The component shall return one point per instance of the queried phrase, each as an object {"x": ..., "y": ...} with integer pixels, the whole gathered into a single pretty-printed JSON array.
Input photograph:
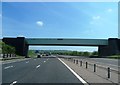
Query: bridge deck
[{"x": 66, "y": 42}]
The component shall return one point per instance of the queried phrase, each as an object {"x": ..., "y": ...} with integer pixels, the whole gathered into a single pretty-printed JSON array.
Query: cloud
[
  {"x": 39, "y": 23},
  {"x": 96, "y": 17},
  {"x": 95, "y": 20},
  {"x": 21, "y": 36},
  {"x": 109, "y": 10}
]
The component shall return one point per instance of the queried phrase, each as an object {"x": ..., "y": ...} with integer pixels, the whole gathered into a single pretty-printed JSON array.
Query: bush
[
  {"x": 95, "y": 53},
  {"x": 7, "y": 49}
]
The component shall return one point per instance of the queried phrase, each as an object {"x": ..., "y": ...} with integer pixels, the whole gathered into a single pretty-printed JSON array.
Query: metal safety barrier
[{"x": 80, "y": 63}]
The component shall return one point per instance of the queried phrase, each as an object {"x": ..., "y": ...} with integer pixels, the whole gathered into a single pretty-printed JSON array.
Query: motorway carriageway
[{"x": 39, "y": 70}]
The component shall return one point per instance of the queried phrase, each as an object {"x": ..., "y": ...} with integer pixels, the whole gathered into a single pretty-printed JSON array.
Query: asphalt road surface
[
  {"x": 107, "y": 61},
  {"x": 38, "y": 70}
]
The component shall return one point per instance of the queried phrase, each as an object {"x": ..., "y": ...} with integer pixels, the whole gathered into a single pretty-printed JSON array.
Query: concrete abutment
[
  {"x": 113, "y": 48},
  {"x": 19, "y": 43}
]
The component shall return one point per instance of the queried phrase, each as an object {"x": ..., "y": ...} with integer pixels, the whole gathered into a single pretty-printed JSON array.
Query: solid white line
[
  {"x": 8, "y": 67},
  {"x": 80, "y": 79},
  {"x": 38, "y": 66},
  {"x": 13, "y": 83}
]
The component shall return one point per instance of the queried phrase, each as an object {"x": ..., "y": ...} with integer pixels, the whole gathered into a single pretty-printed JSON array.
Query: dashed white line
[
  {"x": 38, "y": 66},
  {"x": 80, "y": 79},
  {"x": 8, "y": 67},
  {"x": 13, "y": 83},
  {"x": 27, "y": 62}
]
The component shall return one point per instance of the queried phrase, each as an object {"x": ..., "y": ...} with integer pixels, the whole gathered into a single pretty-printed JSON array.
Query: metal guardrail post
[
  {"x": 80, "y": 63},
  {"x": 76, "y": 61},
  {"x": 86, "y": 65},
  {"x": 10, "y": 55},
  {"x": 7, "y": 55},
  {"x": 108, "y": 72},
  {"x": 94, "y": 67}
]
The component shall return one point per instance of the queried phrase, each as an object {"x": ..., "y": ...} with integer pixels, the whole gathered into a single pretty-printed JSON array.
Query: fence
[
  {"x": 7, "y": 55},
  {"x": 108, "y": 72}
]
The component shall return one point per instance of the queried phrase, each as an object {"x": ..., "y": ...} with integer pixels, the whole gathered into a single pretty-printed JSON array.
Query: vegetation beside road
[
  {"x": 7, "y": 52},
  {"x": 63, "y": 52},
  {"x": 114, "y": 57},
  {"x": 7, "y": 49},
  {"x": 76, "y": 53},
  {"x": 31, "y": 53}
]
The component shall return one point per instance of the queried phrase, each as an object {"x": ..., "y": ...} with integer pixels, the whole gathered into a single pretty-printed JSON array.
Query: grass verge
[{"x": 114, "y": 57}]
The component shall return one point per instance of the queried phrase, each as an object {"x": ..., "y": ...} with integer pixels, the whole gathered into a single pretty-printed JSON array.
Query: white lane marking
[
  {"x": 13, "y": 83},
  {"x": 47, "y": 59},
  {"x": 34, "y": 59},
  {"x": 44, "y": 61},
  {"x": 8, "y": 67},
  {"x": 27, "y": 62},
  {"x": 38, "y": 66},
  {"x": 80, "y": 79}
]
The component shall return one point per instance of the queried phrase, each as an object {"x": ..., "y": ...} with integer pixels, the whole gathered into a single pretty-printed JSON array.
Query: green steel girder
[{"x": 66, "y": 42}]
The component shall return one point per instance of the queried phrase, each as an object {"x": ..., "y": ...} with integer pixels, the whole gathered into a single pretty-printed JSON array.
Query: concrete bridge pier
[
  {"x": 113, "y": 48},
  {"x": 19, "y": 43}
]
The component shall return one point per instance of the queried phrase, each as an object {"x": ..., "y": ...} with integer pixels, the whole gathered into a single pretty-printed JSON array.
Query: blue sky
[{"x": 60, "y": 20}]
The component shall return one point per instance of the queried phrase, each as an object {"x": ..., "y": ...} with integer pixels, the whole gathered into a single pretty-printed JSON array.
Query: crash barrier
[
  {"x": 86, "y": 65},
  {"x": 7, "y": 55}
]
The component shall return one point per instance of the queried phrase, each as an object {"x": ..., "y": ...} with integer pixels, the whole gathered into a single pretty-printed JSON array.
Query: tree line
[
  {"x": 7, "y": 49},
  {"x": 77, "y": 53},
  {"x": 73, "y": 53}
]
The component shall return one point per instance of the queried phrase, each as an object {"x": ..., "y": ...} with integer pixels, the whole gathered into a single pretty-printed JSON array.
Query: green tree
[
  {"x": 7, "y": 49},
  {"x": 80, "y": 53},
  {"x": 86, "y": 53},
  {"x": 95, "y": 53},
  {"x": 74, "y": 53}
]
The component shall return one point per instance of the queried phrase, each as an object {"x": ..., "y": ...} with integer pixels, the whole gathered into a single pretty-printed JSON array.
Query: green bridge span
[{"x": 66, "y": 42}]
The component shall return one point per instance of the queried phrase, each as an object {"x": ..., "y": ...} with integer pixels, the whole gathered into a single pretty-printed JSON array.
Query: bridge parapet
[{"x": 66, "y": 42}]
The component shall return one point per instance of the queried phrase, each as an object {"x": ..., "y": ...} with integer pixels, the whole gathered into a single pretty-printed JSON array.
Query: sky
[{"x": 86, "y": 20}]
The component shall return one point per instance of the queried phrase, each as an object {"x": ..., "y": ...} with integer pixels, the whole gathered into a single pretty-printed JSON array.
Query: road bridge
[{"x": 106, "y": 47}]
